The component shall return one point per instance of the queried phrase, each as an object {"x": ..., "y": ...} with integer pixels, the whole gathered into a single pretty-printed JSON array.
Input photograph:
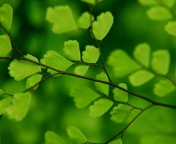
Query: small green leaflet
[
  {"x": 22, "y": 69},
  {"x": 55, "y": 60},
  {"x": 71, "y": 50},
  {"x": 76, "y": 135},
  {"x": 53, "y": 138},
  {"x": 4, "y": 104},
  {"x": 117, "y": 141},
  {"x": 91, "y": 54},
  {"x": 19, "y": 107},
  {"x": 163, "y": 87},
  {"x": 121, "y": 63},
  {"x": 168, "y": 3},
  {"x": 147, "y": 2},
  {"x": 62, "y": 19},
  {"x": 31, "y": 81},
  {"x": 104, "y": 88},
  {"x": 159, "y": 13},
  {"x": 81, "y": 69},
  {"x": 6, "y": 14},
  {"x": 1, "y": 92},
  {"x": 170, "y": 28},
  {"x": 84, "y": 20},
  {"x": 140, "y": 77},
  {"x": 102, "y": 26},
  {"x": 120, "y": 95},
  {"x": 83, "y": 95},
  {"x": 160, "y": 61},
  {"x": 142, "y": 54},
  {"x": 100, "y": 107},
  {"x": 121, "y": 113},
  {"x": 89, "y": 1},
  {"x": 5, "y": 45}
]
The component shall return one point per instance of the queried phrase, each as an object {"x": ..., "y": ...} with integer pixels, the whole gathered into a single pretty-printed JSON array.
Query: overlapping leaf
[
  {"x": 31, "y": 81},
  {"x": 71, "y": 50},
  {"x": 121, "y": 63},
  {"x": 167, "y": 3},
  {"x": 89, "y": 1},
  {"x": 83, "y": 95},
  {"x": 22, "y": 69},
  {"x": 76, "y": 135},
  {"x": 62, "y": 19},
  {"x": 100, "y": 107},
  {"x": 5, "y": 45},
  {"x": 1, "y": 92},
  {"x": 120, "y": 95},
  {"x": 81, "y": 69},
  {"x": 102, "y": 26},
  {"x": 19, "y": 107},
  {"x": 55, "y": 60},
  {"x": 171, "y": 28},
  {"x": 117, "y": 141},
  {"x": 6, "y": 15},
  {"x": 147, "y": 2},
  {"x": 4, "y": 104}
]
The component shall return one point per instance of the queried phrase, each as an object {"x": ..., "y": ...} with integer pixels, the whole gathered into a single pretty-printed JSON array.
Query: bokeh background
[{"x": 51, "y": 106}]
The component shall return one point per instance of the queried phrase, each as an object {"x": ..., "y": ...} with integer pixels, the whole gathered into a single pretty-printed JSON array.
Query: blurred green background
[{"x": 51, "y": 106}]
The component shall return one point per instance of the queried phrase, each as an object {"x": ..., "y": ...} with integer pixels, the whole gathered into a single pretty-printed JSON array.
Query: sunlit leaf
[
  {"x": 159, "y": 13},
  {"x": 91, "y": 54},
  {"x": 121, "y": 113},
  {"x": 171, "y": 28},
  {"x": 55, "y": 60},
  {"x": 81, "y": 69},
  {"x": 140, "y": 77},
  {"x": 6, "y": 15},
  {"x": 83, "y": 95},
  {"x": 117, "y": 141},
  {"x": 102, "y": 26},
  {"x": 120, "y": 95},
  {"x": 104, "y": 88},
  {"x": 5, "y": 45},
  {"x": 31, "y": 81},
  {"x": 168, "y": 3},
  {"x": 160, "y": 61},
  {"x": 142, "y": 54},
  {"x": 62, "y": 19},
  {"x": 89, "y": 1},
  {"x": 147, "y": 2},
  {"x": 1, "y": 92},
  {"x": 76, "y": 135},
  {"x": 4, "y": 104},
  {"x": 22, "y": 69},
  {"x": 84, "y": 20},
  {"x": 121, "y": 63},
  {"x": 71, "y": 50},
  {"x": 163, "y": 87},
  {"x": 53, "y": 138},
  {"x": 19, "y": 107},
  {"x": 100, "y": 107}
]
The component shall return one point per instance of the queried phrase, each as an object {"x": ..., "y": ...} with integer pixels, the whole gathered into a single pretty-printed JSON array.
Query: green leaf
[
  {"x": 5, "y": 45},
  {"x": 159, "y": 13},
  {"x": 121, "y": 113},
  {"x": 120, "y": 95},
  {"x": 147, "y": 2},
  {"x": 31, "y": 81},
  {"x": 163, "y": 87},
  {"x": 142, "y": 54},
  {"x": 91, "y": 54},
  {"x": 6, "y": 13},
  {"x": 140, "y": 77},
  {"x": 19, "y": 107},
  {"x": 104, "y": 88},
  {"x": 102, "y": 26},
  {"x": 121, "y": 63},
  {"x": 76, "y": 135},
  {"x": 160, "y": 61},
  {"x": 55, "y": 60},
  {"x": 4, "y": 104},
  {"x": 83, "y": 95},
  {"x": 89, "y": 1},
  {"x": 100, "y": 107},
  {"x": 170, "y": 28},
  {"x": 117, "y": 141},
  {"x": 84, "y": 20},
  {"x": 1, "y": 92},
  {"x": 22, "y": 69},
  {"x": 71, "y": 50},
  {"x": 62, "y": 19},
  {"x": 81, "y": 69},
  {"x": 168, "y": 3},
  {"x": 53, "y": 138}
]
